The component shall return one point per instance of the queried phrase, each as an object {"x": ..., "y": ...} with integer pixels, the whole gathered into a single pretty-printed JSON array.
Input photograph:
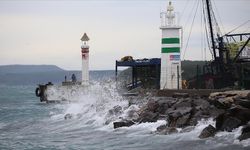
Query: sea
[{"x": 28, "y": 124}]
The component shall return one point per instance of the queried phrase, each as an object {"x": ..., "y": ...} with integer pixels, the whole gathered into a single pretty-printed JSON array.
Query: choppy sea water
[{"x": 25, "y": 123}]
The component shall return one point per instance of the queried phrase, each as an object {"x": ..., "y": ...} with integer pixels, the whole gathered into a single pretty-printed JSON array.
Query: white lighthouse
[
  {"x": 170, "y": 50},
  {"x": 85, "y": 59}
]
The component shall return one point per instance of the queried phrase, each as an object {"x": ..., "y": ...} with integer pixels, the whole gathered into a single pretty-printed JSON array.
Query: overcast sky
[{"x": 49, "y": 32}]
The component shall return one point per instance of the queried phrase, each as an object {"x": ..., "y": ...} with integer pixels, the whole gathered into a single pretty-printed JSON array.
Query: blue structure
[{"x": 153, "y": 64}]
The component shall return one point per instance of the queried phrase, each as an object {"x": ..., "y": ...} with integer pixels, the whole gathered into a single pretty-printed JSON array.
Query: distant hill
[
  {"x": 10, "y": 69},
  {"x": 41, "y": 74}
]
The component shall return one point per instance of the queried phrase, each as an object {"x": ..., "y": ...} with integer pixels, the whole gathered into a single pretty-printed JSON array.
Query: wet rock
[
  {"x": 68, "y": 116},
  {"x": 182, "y": 103},
  {"x": 125, "y": 123},
  {"x": 163, "y": 106},
  {"x": 224, "y": 122},
  {"x": 209, "y": 131},
  {"x": 193, "y": 121},
  {"x": 243, "y": 102},
  {"x": 200, "y": 104},
  {"x": 170, "y": 130},
  {"x": 233, "y": 118},
  {"x": 224, "y": 103},
  {"x": 187, "y": 129},
  {"x": 148, "y": 117},
  {"x": 163, "y": 129},
  {"x": 182, "y": 121},
  {"x": 215, "y": 112},
  {"x": 230, "y": 123},
  {"x": 179, "y": 112},
  {"x": 179, "y": 117},
  {"x": 240, "y": 113},
  {"x": 245, "y": 134},
  {"x": 152, "y": 105}
]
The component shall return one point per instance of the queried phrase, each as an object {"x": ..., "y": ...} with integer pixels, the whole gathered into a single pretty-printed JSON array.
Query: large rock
[
  {"x": 179, "y": 112},
  {"x": 228, "y": 123},
  {"x": 200, "y": 104},
  {"x": 148, "y": 117},
  {"x": 152, "y": 105},
  {"x": 242, "y": 102},
  {"x": 125, "y": 123},
  {"x": 163, "y": 106},
  {"x": 179, "y": 120},
  {"x": 179, "y": 117},
  {"x": 240, "y": 113},
  {"x": 163, "y": 129},
  {"x": 235, "y": 93},
  {"x": 182, "y": 103},
  {"x": 245, "y": 134},
  {"x": 227, "y": 98},
  {"x": 183, "y": 121},
  {"x": 209, "y": 131},
  {"x": 215, "y": 112},
  {"x": 233, "y": 118}
]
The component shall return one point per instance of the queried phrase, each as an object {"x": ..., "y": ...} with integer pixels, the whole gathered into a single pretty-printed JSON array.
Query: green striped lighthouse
[{"x": 170, "y": 50}]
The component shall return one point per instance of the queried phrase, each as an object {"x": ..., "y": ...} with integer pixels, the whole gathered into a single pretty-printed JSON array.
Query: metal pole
[
  {"x": 242, "y": 48},
  {"x": 197, "y": 76},
  {"x": 116, "y": 70},
  {"x": 211, "y": 27},
  {"x": 178, "y": 78}
]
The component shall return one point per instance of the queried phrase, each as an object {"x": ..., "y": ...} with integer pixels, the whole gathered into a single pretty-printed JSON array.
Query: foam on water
[
  {"x": 94, "y": 105},
  {"x": 92, "y": 109}
]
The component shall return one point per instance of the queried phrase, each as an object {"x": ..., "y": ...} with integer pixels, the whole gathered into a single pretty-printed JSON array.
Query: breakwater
[{"x": 229, "y": 109}]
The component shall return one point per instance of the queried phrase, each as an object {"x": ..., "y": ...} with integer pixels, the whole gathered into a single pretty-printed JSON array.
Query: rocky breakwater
[{"x": 229, "y": 109}]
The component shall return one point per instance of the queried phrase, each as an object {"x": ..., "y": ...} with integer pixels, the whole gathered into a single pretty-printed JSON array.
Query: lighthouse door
[{"x": 174, "y": 75}]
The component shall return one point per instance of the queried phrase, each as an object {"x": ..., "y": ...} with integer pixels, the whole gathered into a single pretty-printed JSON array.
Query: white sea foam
[
  {"x": 94, "y": 105},
  {"x": 93, "y": 109}
]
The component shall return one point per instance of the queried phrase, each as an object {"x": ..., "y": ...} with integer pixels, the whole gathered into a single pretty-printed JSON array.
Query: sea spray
[
  {"x": 28, "y": 124},
  {"x": 103, "y": 105},
  {"x": 94, "y": 106}
]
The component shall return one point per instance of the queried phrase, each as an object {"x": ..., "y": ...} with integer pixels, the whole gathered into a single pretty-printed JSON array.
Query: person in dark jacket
[{"x": 73, "y": 77}]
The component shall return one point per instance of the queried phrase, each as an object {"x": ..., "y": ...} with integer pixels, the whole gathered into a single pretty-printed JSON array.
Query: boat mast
[{"x": 211, "y": 28}]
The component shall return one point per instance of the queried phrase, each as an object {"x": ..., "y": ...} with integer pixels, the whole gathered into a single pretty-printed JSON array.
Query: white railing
[{"x": 169, "y": 19}]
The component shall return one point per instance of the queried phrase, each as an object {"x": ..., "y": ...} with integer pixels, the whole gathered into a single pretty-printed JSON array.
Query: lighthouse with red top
[{"x": 85, "y": 59}]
